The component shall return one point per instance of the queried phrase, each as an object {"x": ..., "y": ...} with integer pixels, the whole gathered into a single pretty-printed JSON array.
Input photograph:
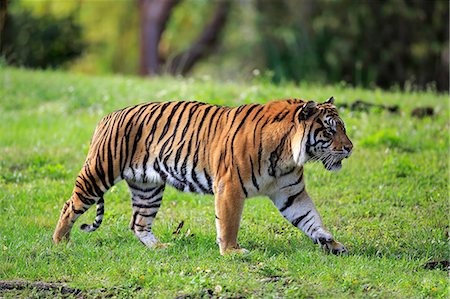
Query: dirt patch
[
  {"x": 441, "y": 265},
  {"x": 422, "y": 112},
  {"x": 56, "y": 288},
  {"x": 365, "y": 106},
  {"x": 361, "y": 105}
]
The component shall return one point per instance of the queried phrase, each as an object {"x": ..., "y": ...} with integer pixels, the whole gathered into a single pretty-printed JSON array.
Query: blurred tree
[
  {"x": 183, "y": 62},
  {"x": 3, "y": 15},
  {"x": 367, "y": 43},
  {"x": 384, "y": 42},
  {"x": 154, "y": 17},
  {"x": 286, "y": 38},
  {"x": 373, "y": 42},
  {"x": 38, "y": 41}
]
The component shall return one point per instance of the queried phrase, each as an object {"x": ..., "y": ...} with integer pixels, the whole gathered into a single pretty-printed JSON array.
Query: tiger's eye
[{"x": 329, "y": 132}]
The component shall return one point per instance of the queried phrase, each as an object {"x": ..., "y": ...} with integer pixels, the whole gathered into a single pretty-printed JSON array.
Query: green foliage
[
  {"x": 384, "y": 138},
  {"x": 365, "y": 43},
  {"x": 388, "y": 205},
  {"x": 40, "y": 41},
  {"x": 392, "y": 43}
]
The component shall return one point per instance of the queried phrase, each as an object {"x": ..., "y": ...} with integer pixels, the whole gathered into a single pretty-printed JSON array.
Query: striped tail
[{"x": 98, "y": 218}]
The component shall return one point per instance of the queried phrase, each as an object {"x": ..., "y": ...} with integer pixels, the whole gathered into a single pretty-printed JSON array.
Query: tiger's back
[{"x": 188, "y": 144}]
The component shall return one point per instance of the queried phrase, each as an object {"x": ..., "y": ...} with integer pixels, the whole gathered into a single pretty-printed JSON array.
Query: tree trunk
[
  {"x": 183, "y": 62},
  {"x": 153, "y": 17},
  {"x": 3, "y": 16}
]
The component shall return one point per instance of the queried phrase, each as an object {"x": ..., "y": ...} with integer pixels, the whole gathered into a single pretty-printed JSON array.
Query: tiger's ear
[
  {"x": 307, "y": 111},
  {"x": 330, "y": 101}
]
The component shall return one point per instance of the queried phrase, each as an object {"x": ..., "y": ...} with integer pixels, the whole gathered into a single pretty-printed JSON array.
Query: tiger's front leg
[
  {"x": 229, "y": 203},
  {"x": 296, "y": 206}
]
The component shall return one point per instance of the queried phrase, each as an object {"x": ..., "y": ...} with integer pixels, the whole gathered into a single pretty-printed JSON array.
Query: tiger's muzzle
[{"x": 333, "y": 161}]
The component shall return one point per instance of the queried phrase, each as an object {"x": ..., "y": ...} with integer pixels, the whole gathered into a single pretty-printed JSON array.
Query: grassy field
[{"x": 389, "y": 204}]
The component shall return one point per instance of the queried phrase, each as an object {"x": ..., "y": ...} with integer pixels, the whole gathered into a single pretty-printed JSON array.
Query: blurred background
[{"x": 385, "y": 43}]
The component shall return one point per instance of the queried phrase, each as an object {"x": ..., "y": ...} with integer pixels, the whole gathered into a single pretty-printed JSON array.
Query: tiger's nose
[{"x": 348, "y": 148}]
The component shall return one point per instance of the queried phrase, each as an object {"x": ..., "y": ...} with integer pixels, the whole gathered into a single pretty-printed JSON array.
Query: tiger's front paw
[
  {"x": 328, "y": 244},
  {"x": 333, "y": 247},
  {"x": 234, "y": 251}
]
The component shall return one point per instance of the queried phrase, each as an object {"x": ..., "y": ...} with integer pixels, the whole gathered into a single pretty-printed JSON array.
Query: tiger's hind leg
[
  {"x": 146, "y": 200},
  {"x": 87, "y": 192}
]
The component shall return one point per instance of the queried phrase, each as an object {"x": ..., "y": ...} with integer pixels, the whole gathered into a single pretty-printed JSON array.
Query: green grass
[{"x": 389, "y": 204}]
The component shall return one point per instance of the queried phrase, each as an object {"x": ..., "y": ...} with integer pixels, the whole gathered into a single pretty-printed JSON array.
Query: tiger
[{"x": 233, "y": 153}]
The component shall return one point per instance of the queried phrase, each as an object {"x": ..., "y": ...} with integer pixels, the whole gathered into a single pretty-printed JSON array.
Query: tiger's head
[{"x": 323, "y": 136}]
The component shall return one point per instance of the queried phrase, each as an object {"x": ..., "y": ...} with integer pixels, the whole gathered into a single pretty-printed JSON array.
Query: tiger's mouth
[
  {"x": 332, "y": 166},
  {"x": 333, "y": 162}
]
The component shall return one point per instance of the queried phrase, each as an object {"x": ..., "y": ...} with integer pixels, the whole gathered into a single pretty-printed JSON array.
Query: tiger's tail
[{"x": 98, "y": 218}]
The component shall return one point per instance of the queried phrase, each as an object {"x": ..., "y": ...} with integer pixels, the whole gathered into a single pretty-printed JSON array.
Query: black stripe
[
  {"x": 296, "y": 111},
  {"x": 261, "y": 107},
  {"x": 256, "y": 126},
  {"x": 152, "y": 215},
  {"x": 121, "y": 118},
  {"x": 178, "y": 154},
  {"x": 83, "y": 188},
  {"x": 300, "y": 179},
  {"x": 280, "y": 116},
  {"x": 288, "y": 172},
  {"x": 100, "y": 210},
  {"x": 209, "y": 180},
  {"x": 254, "y": 181},
  {"x": 220, "y": 117},
  {"x": 175, "y": 130},
  {"x": 100, "y": 172},
  {"x": 192, "y": 110},
  {"x": 275, "y": 156},
  {"x": 206, "y": 134},
  {"x": 144, "y": 190},
  {"x": 308, "y": 220},
  {"x": 299, "y": 219},
  {"x": 290, "y": 200},
  {"x": 132, "y": 123},
  {"x": 184, "y": 164},
  {"x": 240, "y": 180},
  {"x": 98, "y": 190},
  {"x": 86, "y": 186},
  {"x": 77, "y": 211},
  {"x": 168, "y": 121},
  {"x": 145, "y": 206},
  {"x": 239, "y": 126},
  {"x": 202, "y": 121},
  {"x": 197, "y": 182},
  {"x": 155, "y": 192},
  {"x": 137, "y": 138},
  {"x": 110, "y": 165},
  {"x": 155, "y": 124},
  {"x": 260, "y": 146},
  {"x": 85, "y": 200},
  {"x": 310, "y": 227}
]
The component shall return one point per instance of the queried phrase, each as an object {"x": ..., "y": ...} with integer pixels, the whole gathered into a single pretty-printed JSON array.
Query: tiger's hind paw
[{"x": 147, "y": 238}]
